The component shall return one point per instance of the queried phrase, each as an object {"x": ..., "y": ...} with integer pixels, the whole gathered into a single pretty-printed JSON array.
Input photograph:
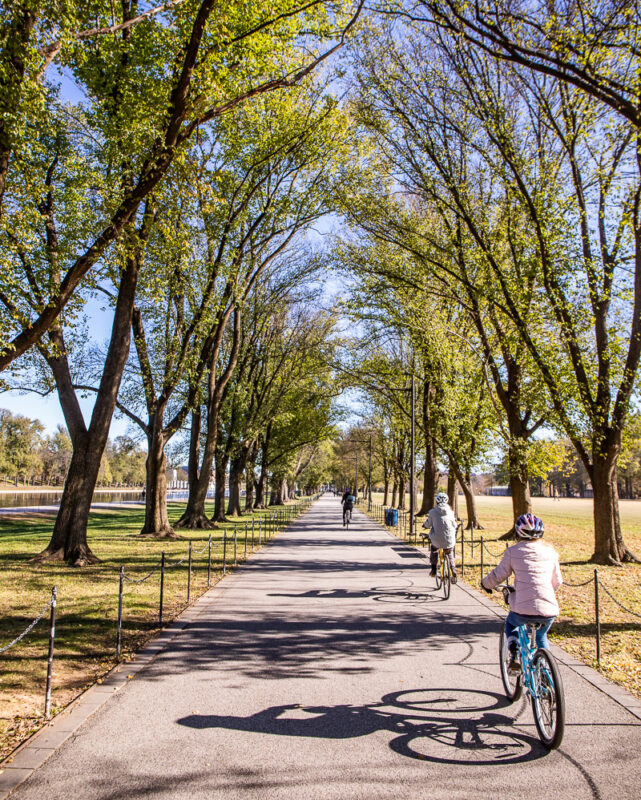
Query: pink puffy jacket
[{"x": 537, "y": 576}]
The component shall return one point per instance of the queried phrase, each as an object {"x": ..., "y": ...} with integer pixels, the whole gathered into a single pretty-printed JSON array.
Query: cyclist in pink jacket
[{"x": 537, "y": 576}]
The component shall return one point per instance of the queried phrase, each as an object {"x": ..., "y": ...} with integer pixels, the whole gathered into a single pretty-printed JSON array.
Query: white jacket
[
  {"x": 537, "y": 575},
  {"x": 442, "y": 522}
]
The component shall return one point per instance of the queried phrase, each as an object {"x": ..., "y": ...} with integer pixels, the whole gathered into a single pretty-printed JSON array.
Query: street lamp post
[
  {"x": 413, "y": 458},
  {"x": 369, "y": 479}
]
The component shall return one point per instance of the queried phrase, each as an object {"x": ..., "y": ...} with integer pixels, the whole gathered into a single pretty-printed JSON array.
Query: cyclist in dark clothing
[{"x": 348, "y": 505}]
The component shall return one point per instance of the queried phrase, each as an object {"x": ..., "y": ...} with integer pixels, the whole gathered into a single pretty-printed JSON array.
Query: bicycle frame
[{"x": 527, "y": 646}]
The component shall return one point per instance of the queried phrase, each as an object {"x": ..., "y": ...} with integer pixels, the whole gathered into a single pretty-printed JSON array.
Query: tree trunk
[
  {"x": 452, "y": 492},
  {"x": 470, "y": 501},
  {"x": 221, "y": 475},
  {"x": 430, "y": 479},
  {"x": 283, "y": 495},
  {"x": 156, "y": 518},
  {"x": 519, "y": 479},
  {"x": 431, "y": 476},
  {"x": 69, "y": 539},
  {"x": 250, "y": 489},
  {"x": 609, "y": 546},
  {"x": 194, "y": 515},
  {"x": 394, "y": 491},
  {"x": 250, "y": 478},
  {"x": 194, "y": 447},
  {"x": 401, "y": 493},
  {"x": 465, "y": 482},
  {"x": 261, "y": 486},
  {"x": 236, "y": 469}
]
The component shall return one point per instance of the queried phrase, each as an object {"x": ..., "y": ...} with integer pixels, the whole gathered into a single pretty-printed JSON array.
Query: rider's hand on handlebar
[{"x": 486, "y": 590}]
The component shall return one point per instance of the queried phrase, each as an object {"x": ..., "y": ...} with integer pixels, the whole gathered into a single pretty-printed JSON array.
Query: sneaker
[
  {"x": 433, "y": 572},
  {"x": 514, "y": 664},
  {"x": 454, "y": 577}
]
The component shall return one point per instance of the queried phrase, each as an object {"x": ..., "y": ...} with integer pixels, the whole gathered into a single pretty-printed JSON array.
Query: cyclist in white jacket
[{"x": 441, "y": 524}]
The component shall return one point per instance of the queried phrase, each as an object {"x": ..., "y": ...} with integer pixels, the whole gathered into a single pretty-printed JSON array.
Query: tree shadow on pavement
[
  {"x": 448, "y": 726},
  {"x": 302, "y": 645}
]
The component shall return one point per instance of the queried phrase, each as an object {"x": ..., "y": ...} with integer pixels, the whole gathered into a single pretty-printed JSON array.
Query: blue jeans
[{"x": 515, "y": 620}]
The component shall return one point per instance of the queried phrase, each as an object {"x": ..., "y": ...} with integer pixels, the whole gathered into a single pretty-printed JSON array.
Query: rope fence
[
  {"x": 52, "y": 635},
  {"x": 262, "y": 529},
  {"x": 401, "y": 528}
]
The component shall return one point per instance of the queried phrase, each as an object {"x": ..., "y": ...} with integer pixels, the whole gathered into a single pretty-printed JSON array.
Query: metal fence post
[
  {"x": 52, "y": 638},
  {"x": 189, "y": 573},
  {"x": 235, "y": 547},
  {"x": 121, "y": 587},
  {"x": 253, "y": 521},
  {"x": 462, "y": 550},
  {"x": 245, "y": 540},
  {"x": 209, "y": 563},
  {"x": 482, "y": 570},
  {"x": 162, "y": 587},
  {"x": 260, "y": 532},
  {"x": 597, "y": 615},
  {"x": 225, "y": 551}
]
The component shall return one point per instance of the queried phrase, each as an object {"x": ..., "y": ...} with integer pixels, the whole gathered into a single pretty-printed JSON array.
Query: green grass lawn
[
  {"x": 88, "y": 602},
  {"x": 569, "y": 528}
]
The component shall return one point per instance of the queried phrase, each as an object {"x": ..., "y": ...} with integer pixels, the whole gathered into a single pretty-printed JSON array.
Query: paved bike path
[{"x": 329, "y": 668}]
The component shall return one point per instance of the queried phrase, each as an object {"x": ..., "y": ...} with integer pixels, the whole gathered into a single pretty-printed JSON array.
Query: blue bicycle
[{"x": 540, "y": 677}]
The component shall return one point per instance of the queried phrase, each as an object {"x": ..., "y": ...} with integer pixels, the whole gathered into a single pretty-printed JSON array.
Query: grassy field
[
  {"x": 568, "y": 526},
  {"x": 87, "y": 604}
]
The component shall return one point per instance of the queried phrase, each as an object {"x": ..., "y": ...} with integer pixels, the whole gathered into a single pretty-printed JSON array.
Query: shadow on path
[
  {"x": 424, "y": 724},
  {"x": 305, "y": 644}
]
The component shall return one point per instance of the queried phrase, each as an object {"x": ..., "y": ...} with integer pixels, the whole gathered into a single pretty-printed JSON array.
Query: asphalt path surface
[{"x": 329, "y": 667}]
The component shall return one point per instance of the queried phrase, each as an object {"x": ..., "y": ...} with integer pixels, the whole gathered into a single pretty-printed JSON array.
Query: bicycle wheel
[
  {"x": 548, "y": 701},
  {"x": 439, "y": 572},
  {"x": 512, "y": 681},
  {"x": 447, "y": 578}
]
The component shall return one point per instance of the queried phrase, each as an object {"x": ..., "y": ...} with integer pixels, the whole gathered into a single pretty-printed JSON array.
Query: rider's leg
[
  {"x": 542, "y": 634},
  {"x": 512, "y": 623},
  {"x": 433, "y": 559},
  {"x": 451, "y": 557}
]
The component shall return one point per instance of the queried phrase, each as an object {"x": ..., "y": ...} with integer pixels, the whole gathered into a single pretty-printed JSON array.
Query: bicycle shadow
[
  {"x": 379, "y": 595},
  {"x": 447, "y": 726}
]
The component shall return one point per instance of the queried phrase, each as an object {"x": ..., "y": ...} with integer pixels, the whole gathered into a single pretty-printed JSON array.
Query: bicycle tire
[
  {"x": 548, "y": 704},
  {"x": 447, "y": 578},
  {"x": 512, "y": 681},
  {"x": 439, "y": 576}
]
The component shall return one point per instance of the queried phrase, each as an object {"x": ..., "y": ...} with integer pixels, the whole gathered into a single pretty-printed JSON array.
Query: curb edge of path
[{"x": 38, "y": 748}]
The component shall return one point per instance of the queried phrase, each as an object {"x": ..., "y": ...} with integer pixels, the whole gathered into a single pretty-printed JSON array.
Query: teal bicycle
[{"x": 539, "y": 676}]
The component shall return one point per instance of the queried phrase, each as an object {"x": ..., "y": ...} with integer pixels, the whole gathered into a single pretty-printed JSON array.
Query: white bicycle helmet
[
  {"x": 528, "y": 526},
  {"x": 441, "y": 499}
]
